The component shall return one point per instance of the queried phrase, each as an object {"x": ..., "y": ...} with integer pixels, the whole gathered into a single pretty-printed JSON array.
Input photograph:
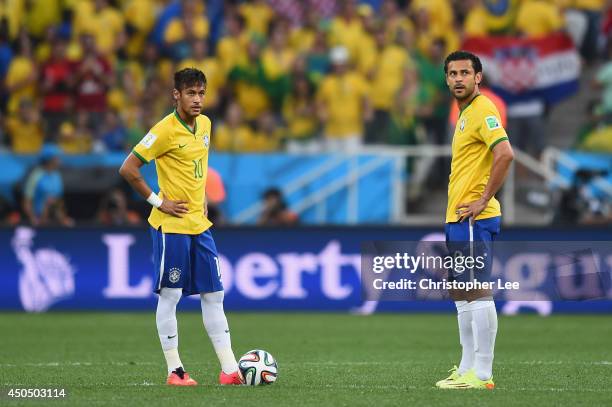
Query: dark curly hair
[
  {"x": 462, "y": 56},
  {"x": 188, "y": 77}
]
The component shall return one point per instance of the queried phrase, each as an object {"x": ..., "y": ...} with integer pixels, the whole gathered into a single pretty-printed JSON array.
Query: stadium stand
[{"x": 284, "y": 77}]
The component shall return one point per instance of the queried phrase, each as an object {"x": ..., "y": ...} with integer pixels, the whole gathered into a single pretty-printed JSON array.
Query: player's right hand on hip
[{"x": 174, "y": 208}]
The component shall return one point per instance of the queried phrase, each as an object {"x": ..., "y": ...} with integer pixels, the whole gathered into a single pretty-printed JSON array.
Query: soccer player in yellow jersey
[
  {"x": 184, "y": 252},
  {"x": 481, "y": 157}
]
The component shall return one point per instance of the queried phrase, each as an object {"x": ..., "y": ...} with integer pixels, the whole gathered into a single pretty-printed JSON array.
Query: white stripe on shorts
[
  {"x": 161, "y": 263},
  {"x": 470, "y": 220}
]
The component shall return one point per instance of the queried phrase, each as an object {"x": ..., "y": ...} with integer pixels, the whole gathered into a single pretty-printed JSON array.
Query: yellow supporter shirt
[
  {"x": 440, "y": 12},
  {"x": 42, "y": 52},
  {"x": 257, "y": 17},
  {"x": 176, "y": 32},
  {"x": 478, "y": 130},
  {"x": 215, "y": 78},
  {"x": 265, "y": 142},
  {"x": 236, "y": 139},
  {"x": 231, "y": 51},
  {"x": 475, "y": 24},
  {"x": 181, "y": 160},
  {"x": 141, "y": 14},
  {"x": 104, "y": 25},
  {"x": 393, "y": 27},
  {"x": 342, "y": 98},
  {"x": 109, "y": 24},
  {"x": 426, "y": 39},
  {"x": 348, "y": 34},
  {"x": 76, "y": 145},
  {"x": 41, "y": 15},
  {"x": 537, "y": 18},
  {"x": 592, "y": 5},
  {"x": 388, "y": 76},
  {"x": 26, "y": 138},
  {"x": 253, "y": 99},
  {"x": 73, "y": 141},
  {"x": 300, "y": 118},
  {"x": 277, "y": 63},
  {"x": 19, "y": 70},
  {"x": 368, "y": 55},
  {"x": 301, "y": 39},
  {"x": 14, "y": 11}
]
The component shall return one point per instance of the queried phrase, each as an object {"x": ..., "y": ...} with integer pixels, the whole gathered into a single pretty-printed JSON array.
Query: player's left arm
[
  {"x": 502, "y": 158},
  {"x": 494, "y": 136}
]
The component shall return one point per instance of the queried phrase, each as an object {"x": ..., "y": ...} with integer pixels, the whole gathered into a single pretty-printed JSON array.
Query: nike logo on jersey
[
  {"x": 170, "y": 337},
  {"x": 182, "y": 145}
]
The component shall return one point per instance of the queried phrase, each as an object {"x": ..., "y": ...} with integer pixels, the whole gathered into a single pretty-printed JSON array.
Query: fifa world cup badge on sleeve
[{"x": 148, "y": 140}]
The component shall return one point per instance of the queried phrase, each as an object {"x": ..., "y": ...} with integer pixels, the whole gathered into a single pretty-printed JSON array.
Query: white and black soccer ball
[{"x": 258, "y": 367}]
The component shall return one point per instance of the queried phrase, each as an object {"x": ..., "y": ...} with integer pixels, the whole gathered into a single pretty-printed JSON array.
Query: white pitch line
[
  {"x": 552, "y": 389},
  {"x": 361, "y": 387},
  {"x": 74, "y": 364},
  {"x": 306, "y": 363},
  {"x": 523, "y": 362},
  {"x": 560, "y": 362}
]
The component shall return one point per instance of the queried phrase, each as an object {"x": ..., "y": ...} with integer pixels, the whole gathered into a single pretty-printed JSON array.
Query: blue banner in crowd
[{"x": 314, "y": 269}]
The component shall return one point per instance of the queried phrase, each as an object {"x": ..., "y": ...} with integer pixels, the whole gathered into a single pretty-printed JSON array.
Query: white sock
[
  {"x": 485, "y": 330},
  {"x": 165, "y": 317},
  {"x": 217, "y": 328},
  {"x": 466, "y": 337}
]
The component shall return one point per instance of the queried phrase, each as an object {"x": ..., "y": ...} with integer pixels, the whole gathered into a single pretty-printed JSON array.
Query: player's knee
[
  {"x": 212, "y": 298},
  {"x": 171, "y": 294}
]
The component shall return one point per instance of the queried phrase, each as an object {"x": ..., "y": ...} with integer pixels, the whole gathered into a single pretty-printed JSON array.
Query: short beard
[{"x": 466, "y": 96}]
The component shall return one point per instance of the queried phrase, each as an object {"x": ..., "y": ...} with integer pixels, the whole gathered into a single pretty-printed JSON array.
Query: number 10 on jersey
[{"x": 198, "y": 171}]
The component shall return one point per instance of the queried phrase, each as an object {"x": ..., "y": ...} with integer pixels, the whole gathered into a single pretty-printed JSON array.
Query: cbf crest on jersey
[
  {"x": 206, "y": 140},
  {"x": 462, "y": 124}
]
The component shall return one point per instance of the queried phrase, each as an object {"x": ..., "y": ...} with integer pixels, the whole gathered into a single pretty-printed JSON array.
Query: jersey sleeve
[
  {"x": 491, "y": 131},
  {"x": 157, "y": 142}
]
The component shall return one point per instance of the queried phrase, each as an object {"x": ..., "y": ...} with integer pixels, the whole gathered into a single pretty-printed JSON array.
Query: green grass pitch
[{"x": 324, "y": 360}]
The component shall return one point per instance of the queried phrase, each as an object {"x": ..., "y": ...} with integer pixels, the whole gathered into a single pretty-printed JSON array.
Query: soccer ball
[{"x": 258, "y": 367}]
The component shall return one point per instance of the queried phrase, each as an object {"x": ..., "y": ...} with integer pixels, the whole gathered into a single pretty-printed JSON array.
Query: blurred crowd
[
  {"x": 92, "y": 76},
  {"x": 95, "y": 75}
]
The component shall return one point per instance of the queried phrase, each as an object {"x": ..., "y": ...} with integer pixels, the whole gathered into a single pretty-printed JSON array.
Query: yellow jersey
[
  {"x": 257, "y": 17},
  {"x": 239, "y": 139},
  {"x": 21, "y": 70},
  {"x": 26, "y": 138},
  {"x": 538, "y": 18},
  {"x": 342, "y": 96},
  {"x": 478, "y": 130},
  {"x": 348, "y": 34},
  {"x": 388, "y": 76},
  {"x": 181, "y": 160}
]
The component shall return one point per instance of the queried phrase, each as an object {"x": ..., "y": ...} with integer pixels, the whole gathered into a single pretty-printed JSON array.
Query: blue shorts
[
  {"x": 463, "y": 240},
  {"x": 189, "y": 262}
]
